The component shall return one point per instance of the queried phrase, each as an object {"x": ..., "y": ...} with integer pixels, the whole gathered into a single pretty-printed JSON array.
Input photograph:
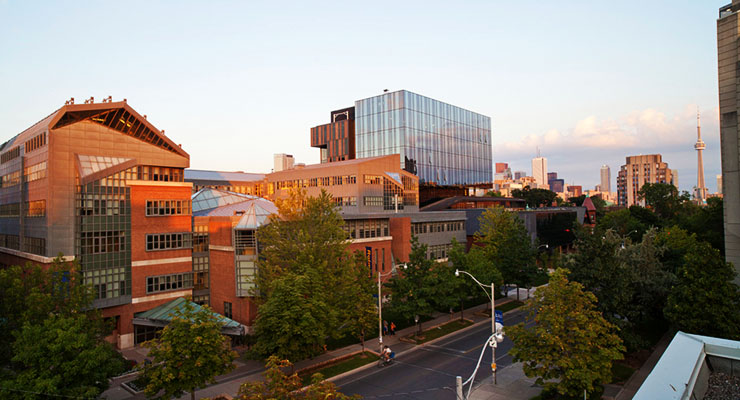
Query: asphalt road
[{"x": 428, "y": 372}]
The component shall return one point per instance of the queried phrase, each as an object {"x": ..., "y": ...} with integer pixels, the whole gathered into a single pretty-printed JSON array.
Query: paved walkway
[
  {"x": 512, "y": 384},
  {"x": 636, "y": 380}
]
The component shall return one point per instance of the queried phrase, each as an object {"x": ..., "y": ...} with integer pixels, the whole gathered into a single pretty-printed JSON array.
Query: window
[
  {"x": 10, "y": 154},
  {"x": 10, "y": 241},
  {"x": 374, "y": 201},
  {"x": 245, "y": 272},
  {"x": 35, "y": 208},
  {"x": 373, "y": 179},
  {"x": 200, "y": 271},
  {"x": 167, "y": 207},
  {"x": 163, "y": 283},
  {"x": 169, "y": 241},
  {"x": 245, "y": 242},
  {"x": 227, "y": 310},
  {"x": 200, "y": 238},
  {"x": 10, "y": 179},
  {"x": 10, "y": 210},
  {"x": 34, "y": 245},
  {"x": 34, "y": 172},
  {"x": 35, "y": 142},
  {"x": 102, "y": 242}
]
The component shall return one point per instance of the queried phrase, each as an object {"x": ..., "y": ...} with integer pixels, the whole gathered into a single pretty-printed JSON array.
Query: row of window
[
  {"x": 31, "y": 209},
  {"x": 366, "y": 228},
  {"x": 432, "y": 227},
  {"x": 30, "y": 244},
  {"x": 438, "y": 251},
  {"x": 169, "y": 241},
  {"x": 373, "y": 179},
  {"x": 10, "y": 154},
  {"x": 168, "y": 207},
  {"x": 10, "y": 179},
  {"x": 163, "y": 283},
  {"x": 316, "y": 182},
  {"x": 34, "y": 172},
  {"x": 102, "y": 242},
  {"x": 35, "y": 142},
  {"x": 345, "y": 201},
  {"x": 10, "y": 241}
]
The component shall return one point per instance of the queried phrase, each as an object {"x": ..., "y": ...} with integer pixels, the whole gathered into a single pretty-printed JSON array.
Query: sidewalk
[{"x": 512, "y": 384}]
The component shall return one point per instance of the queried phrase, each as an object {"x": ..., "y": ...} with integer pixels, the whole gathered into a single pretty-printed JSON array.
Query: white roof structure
[{"x": 683, "y": 369}]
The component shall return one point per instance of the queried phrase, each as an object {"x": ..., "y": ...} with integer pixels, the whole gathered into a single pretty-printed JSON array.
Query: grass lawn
[
  {"x": 441, "y": 330},
  {"x": 341, "y": 367}
]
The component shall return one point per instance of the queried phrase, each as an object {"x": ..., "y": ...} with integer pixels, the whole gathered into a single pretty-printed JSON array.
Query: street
[{"x": 429, "y": 371}]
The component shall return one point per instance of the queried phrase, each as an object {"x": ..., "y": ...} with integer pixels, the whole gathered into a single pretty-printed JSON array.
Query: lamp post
[
  {"x": 494, "y": 337},
  {"x": 380, "y": 304}
]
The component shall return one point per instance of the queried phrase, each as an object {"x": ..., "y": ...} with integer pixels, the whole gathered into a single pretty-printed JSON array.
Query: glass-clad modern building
[{"x": 438, "y": 142}]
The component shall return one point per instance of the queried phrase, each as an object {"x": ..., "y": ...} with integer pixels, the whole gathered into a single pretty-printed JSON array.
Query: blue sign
[{"x": 499, "y": 317}]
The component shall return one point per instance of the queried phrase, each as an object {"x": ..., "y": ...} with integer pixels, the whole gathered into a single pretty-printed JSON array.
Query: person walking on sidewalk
[
  {"x": 385, "y": 328},
  {"x": 393, "y": 329}
]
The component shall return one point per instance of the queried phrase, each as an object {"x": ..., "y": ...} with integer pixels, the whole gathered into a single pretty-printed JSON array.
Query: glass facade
[
  {"x": 438, "y": 142},
  {"x": 103, "y": 242}
]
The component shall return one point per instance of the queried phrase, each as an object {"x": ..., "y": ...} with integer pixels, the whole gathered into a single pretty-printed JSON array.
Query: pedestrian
[
  {"x": 393, "y": 329},
  {"x": 385, "y": 328}
]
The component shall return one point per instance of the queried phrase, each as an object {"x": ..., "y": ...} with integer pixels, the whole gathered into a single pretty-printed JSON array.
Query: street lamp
[
  {"x": 380, "y": 304},
  {"x": 495, "y": 337},
  {"x": 547, "y": 246}
]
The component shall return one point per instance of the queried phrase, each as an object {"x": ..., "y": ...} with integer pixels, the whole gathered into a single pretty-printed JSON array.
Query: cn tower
[{"x": 700, "y": 193}]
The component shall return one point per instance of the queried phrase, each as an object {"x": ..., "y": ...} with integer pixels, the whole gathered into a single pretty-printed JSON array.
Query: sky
[{"x": 587, "y": 82}]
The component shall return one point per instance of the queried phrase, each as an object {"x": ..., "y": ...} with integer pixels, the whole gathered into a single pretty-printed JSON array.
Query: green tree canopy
[
  {"x": 477, "y": 264},
  {"x": 628, "y": 279},
  {"x": 507, "y": 245},
  {"x": 570, "y": 347},
  {"x": 705, "y": 300},
  {"x": 535, "y": 197},
  {"x": 307, "y": 244},
  {"x": 189, "y": 353},
  {"x": 422, "y": 287},
  {"x": 31, "y": 293},
  {"x": 663, "y": 198},
  {"x": 62, "y": 356}
]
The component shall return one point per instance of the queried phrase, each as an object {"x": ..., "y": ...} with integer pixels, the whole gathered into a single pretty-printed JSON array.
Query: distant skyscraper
[
  {"x": 728, "y": 58},
  {"x": 557, "y": 185},
  {"x": 282, "y": 162},
  {"x": 719, "y": 183},
  {"x": 552, "y": 175},
  {"x": 501, "y": 167},
  {"x": 701, "y": 189},
  {"x": 639, "y": 170},
  {"x": 539, "y": 171},
  {"x": 606, "y": 179},
  {"x": 519, "y": 174}
]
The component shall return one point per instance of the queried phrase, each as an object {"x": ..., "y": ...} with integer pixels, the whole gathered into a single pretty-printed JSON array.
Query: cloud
[
  {"x": 578, "y": 152},
  {"x": 638, "y": 132}
]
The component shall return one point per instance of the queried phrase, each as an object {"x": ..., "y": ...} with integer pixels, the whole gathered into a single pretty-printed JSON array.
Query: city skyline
[{"x": 244, "y": 67}]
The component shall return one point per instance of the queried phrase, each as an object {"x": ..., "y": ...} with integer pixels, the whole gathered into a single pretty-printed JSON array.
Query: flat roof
[{"x": 206, "y": 175}]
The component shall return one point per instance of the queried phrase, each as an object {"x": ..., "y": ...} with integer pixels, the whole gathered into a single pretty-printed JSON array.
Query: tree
[
  {"x": 189, "y": 353},
  {"x": 507, "y": 245},
  {"x": 416, "y": 290},
  {"x": 278, "y": 385},
  {"x": 494, "y": 193},
  {"x": 569, "y": 342},
  {"x": 305, "y": 262},
  {"x": 535, "y": 197},
  {"x": 30, "y": 293},
  {"x": 476, "y": 263},
  {"x": 663, "y": 198},
  {"x": 628, "y": 279},
  {"x": 705, "y": 301},
  {"x": 623, "y": 223},
  {"x": 62, "y": 356},
  {"x": 577, "y": 200}
]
